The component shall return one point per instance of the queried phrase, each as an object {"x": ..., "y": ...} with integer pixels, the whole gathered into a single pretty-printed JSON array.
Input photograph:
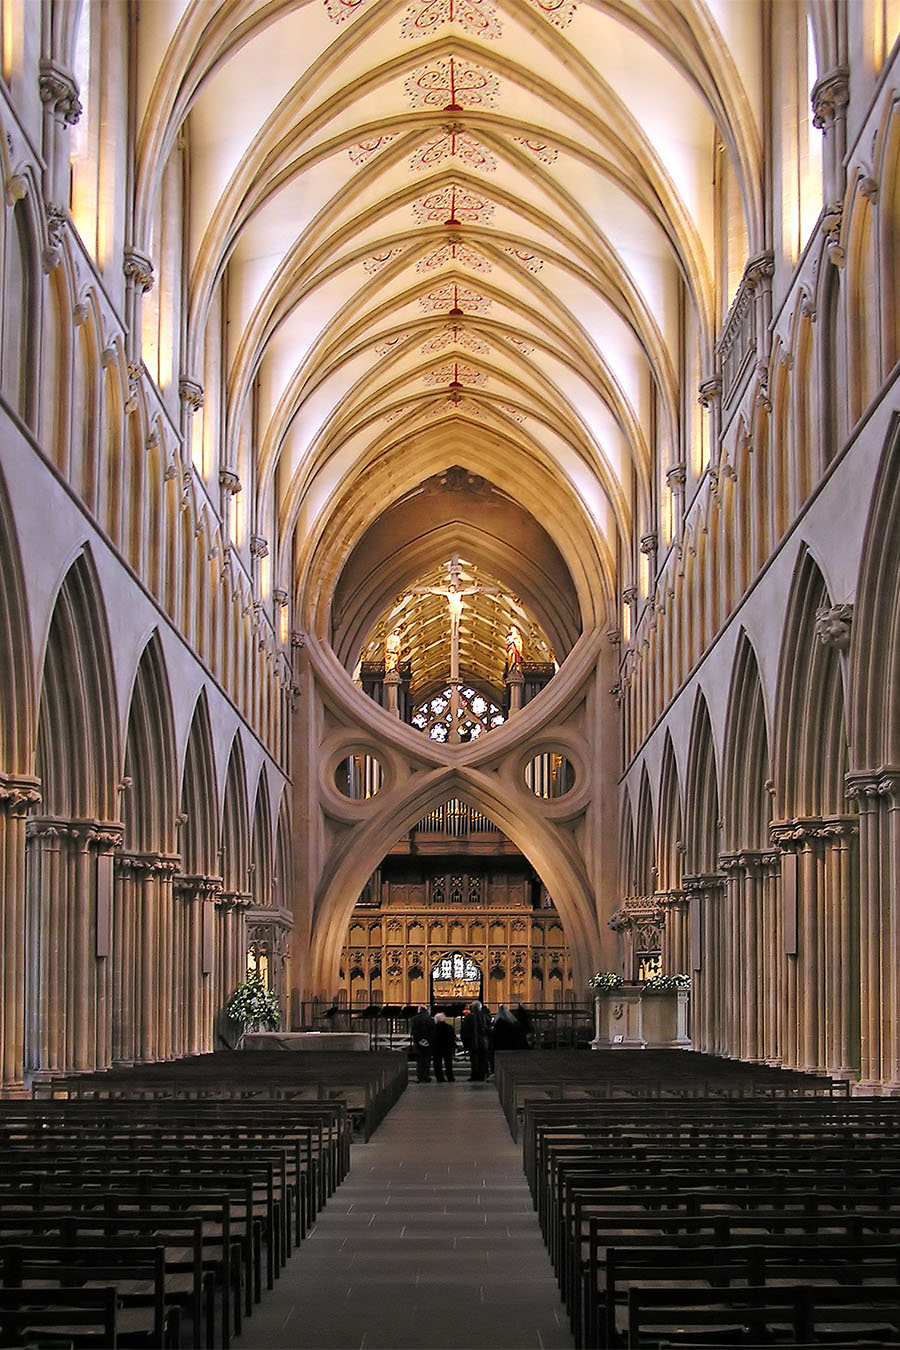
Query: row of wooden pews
[
  {"x": 153, "y": 1206},
  {"x": 675, "y": 1219}
]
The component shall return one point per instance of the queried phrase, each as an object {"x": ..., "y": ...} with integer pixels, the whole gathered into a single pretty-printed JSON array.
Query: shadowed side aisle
[{"x": 431, "y": 1243}]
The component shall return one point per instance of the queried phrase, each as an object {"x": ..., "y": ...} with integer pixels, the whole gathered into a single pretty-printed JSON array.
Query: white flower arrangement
[
  {"x": 665, "y": 983},
  {"x": 606, "y": 979},
  {"x": 253, "y": 1004}
]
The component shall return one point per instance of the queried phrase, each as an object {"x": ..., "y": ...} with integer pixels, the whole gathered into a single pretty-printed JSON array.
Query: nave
[{"x": 431, "y": 1243}]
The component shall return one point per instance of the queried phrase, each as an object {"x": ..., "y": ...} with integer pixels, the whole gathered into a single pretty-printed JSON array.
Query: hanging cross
[{"x": 455, "y": 592}]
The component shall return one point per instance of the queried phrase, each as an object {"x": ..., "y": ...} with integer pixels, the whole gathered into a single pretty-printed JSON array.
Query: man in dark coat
[
  {"x": 421, "y": 1031},
  {"x": 443, "y": 1048},
  {"x": 475, "y": 1034}
]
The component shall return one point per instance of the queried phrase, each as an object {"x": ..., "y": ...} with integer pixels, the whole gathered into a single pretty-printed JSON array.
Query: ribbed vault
[{"x": 464, "y": 222}]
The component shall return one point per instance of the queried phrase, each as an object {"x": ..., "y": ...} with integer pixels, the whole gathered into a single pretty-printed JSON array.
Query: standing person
[
  {"x": 443, "y": 1048},
  {"x": 475, "y": 1034},
  {"x": 507, "y": 1032},
  {"x": 523, "y": 1017},
  {"x": 421, "y": 1031}
]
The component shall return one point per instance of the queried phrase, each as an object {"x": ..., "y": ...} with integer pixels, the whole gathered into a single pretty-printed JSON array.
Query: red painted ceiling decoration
[
  {"x": 453, "y": 143},
  {"x": 454, "y": 251},
  {"x": 451, "y": 298},
  {"x": 455, "y": 373},
  {"x": 451, "y": 84},
  {"x": 476, "y": 18},
  {"x": 379, "y": 260},
  {"x": 453, "y": 205},
  {"x": 454, "y": 335},
  {"x": 366, "y": 149}
]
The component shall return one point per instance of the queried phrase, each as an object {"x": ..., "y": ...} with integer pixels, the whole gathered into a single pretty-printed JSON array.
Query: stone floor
[{"x": 430, "y": 1244}]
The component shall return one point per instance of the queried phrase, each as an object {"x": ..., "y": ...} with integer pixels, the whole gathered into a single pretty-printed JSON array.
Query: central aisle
[{"x": 431, "y": 1243}]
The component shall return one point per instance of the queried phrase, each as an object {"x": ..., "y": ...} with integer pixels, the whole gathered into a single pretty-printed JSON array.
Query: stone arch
[
  {"x": 627, "y": 879},
  {"x": 148, "y": 811},
  {"x": 77, "y": 742},
  {"x": 644, "y": 851},
  {"x": 16, "y": 705},
  {"x": 199, "y": 797},
  {"x": 746, "y": 797},
  {"x": 875, "y": 649},
  {"x": 261, "y": 845},
  {"x": 235, "y": 839},
  {"x": 861, "y": 299},
  {"x": 702, "y": 795},
  {"x": 811, "y": 741},
  {"x": 21, "y": 302},
  {"x": 889, "y": 230},
  {"x": 670, "y": 835},
  {"x": 554, "y": 859}
]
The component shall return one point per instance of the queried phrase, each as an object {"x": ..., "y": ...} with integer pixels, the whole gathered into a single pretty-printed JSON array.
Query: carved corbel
[
  {"x": 829, "y": 95},
  {"x": 676, "y": 475},
  {"x": 833, "y": 623},
  {"x": 59, "y": 92},
  {"x": 832, "y": 222},
  {"x": 190, "y": 392},
  {"x": 51, "y": 255},
  {"x": 259, "y": 546},
  {"x": 139, "y": 269},
  {"x": 16, "y": 188},
  {"x": 709, "y": 391},
  {"x": 229, "y": 481}
]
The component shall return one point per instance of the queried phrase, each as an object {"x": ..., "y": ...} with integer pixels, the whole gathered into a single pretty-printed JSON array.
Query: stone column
[
  {"x": 17, "y": 796},
  {"x": 705, "y": 892},
  {"x": 128, "y": 885},
  {"x": 392, "y": 692},
  {"x": 733, "y": 962},
  {"x": 876, "y": 794},
  {"x": 515, "y": 683},
  {"x": 772, "y": 972}
]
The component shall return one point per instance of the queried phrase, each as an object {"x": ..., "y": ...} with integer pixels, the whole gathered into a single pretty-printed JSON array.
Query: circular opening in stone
[
  {"x": 550, "y": 775},
  {"x": 358, "y": 777}
]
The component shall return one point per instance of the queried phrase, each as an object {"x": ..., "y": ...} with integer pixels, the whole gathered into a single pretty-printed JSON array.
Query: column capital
[
  {"x": 208, "y": 888},
  {"x": 868, "y": 783},
  {"x": 19, "y": 793},
  {"x": 702, "y": 882}
]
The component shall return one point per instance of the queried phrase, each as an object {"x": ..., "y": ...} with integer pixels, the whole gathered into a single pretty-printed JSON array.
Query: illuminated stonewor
[{"x": 452, "y": 669}]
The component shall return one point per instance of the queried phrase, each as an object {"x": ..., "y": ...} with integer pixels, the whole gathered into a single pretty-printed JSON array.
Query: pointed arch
[
  {"x": 148, "y": 811},
  {"x": 261, "y": 846},
  {"x": 670, "y": 843},
  {"x": 200, "y": 797},
  {"x": 644, "y": 851},
  {"x": 16, "y": 704},
  {"x": 554, "y": 859},
  {"x": 811, "y": 740},
  {"x": 281, "y": 879},
  {"x": 627, "y": 878},
  {"x": 702, "y": 824},
  {"x": 875, "y": 650},
  {"x": 747, "y": 769},
  {"x": 77, "y": 742},
  {"x": 235, "y": 826}
]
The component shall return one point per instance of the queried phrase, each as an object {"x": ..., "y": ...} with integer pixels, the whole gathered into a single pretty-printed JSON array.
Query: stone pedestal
[
  {"x": 664, "y": 1020},
  {"x": 617, "y": 1020},
  {"x": 632, "y": 1019}
]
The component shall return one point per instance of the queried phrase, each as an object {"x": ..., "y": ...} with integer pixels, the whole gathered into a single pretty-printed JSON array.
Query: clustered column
[
  {"x": 821, "y": 940},
  {"x": 67, "y": 936},
  {"x": 709, "y": 998},
  {"x": 878, "y": 796},
  {"x": 17, "y": 795}
]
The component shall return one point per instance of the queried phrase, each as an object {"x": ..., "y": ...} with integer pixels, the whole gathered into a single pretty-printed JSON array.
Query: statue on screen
[
  {"x": 391, "y": 653},
  {"x": 513, "y": 651}
]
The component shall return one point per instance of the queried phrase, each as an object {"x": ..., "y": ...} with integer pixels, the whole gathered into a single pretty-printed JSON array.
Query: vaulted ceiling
[{"x": 473, "y": 233}]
